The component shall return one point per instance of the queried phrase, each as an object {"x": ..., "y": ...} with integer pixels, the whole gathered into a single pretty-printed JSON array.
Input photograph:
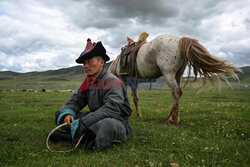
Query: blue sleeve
[
  {"x": 74, "y": 127},
  {"x": 62, "y": 114}
]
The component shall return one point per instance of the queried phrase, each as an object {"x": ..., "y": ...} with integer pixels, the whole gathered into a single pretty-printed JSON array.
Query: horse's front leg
[{"x": 136, "y": 101}]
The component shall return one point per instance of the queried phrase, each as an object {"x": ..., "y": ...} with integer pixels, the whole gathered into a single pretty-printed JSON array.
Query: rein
[{"x": 60, "y": 151}]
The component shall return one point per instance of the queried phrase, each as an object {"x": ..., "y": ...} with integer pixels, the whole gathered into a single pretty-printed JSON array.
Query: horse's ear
[{"x": 130, "y": 41}]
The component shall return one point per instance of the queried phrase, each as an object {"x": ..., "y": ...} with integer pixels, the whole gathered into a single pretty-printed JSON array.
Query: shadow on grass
[{"x": 163, "y": 121}]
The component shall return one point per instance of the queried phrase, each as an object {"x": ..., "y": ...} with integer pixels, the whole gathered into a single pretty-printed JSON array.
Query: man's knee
[
  {"x": 106, "y": 125},
  {"x": 114, "y": 128},
  {"x": 108, "y": 121}
]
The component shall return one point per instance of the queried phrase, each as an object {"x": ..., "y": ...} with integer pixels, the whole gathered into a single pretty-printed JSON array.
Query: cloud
[
  {"x": 146, "y": 12},
  {"x": 41, "y": 35},
  {"x": 33, "y": 39}
]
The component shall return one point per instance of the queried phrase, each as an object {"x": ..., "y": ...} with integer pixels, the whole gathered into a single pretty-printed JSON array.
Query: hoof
[
  {"x": 172, "y": 122},
  {"x": 168, "y": 122}
]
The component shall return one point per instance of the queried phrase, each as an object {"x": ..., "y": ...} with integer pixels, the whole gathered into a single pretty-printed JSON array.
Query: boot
[{"x": 60, "y": 136}]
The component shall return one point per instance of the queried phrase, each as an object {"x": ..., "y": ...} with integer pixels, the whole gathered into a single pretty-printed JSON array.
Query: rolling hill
[
  {"x": 63, "y": 74},
  {"x": 75, "y": 71},
  {"x": 245, "y": 76},
  {"x": 70, "y": 77}
]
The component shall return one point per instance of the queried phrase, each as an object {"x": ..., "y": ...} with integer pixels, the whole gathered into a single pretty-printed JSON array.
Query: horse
[{"x": 168, "y": 55}]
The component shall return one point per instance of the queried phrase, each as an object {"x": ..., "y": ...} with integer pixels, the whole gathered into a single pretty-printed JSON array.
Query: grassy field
[{"x": 214, "y": 131}]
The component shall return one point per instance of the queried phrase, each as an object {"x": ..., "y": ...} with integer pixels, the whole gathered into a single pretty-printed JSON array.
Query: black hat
[{"x": 92, "y": 50}]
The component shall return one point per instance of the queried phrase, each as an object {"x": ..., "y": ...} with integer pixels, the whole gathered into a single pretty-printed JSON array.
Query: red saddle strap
[{"x": 137, "y": 50}]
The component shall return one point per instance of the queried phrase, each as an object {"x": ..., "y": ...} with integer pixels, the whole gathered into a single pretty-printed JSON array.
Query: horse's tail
[{"x": 204, "y": 64}]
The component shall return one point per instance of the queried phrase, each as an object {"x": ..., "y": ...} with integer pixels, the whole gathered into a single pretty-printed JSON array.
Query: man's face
[{"x": 93, "y": 66}]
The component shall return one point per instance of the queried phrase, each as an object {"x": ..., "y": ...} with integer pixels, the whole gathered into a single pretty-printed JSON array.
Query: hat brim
[
  {"x": 80, "y": 60},
  {"x": 98, "y": 50}
]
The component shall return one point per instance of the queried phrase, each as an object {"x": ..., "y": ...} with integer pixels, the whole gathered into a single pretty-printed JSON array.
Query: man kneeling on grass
[{"x": 107, "y": 122}]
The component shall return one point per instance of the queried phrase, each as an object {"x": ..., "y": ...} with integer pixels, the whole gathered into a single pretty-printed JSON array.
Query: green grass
[
  {"x": 214, "y": 131},
  {"x": 40, "y": 83}
]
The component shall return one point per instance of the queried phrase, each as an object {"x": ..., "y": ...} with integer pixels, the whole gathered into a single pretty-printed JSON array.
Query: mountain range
[
  {"x": 77, "y": 73},
  {"x": 63, "y": 74}
]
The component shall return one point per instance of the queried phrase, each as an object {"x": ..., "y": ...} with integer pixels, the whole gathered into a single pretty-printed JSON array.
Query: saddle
[{"x": 129, "y": 54}]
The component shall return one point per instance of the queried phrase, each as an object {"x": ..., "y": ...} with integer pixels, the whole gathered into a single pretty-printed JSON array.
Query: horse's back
[{"x": 159, "y": 56}]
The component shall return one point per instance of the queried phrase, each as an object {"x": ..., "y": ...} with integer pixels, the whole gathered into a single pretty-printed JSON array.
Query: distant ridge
[
  {"x": 75, "y": 70},
  {"x": 76, "y": 73},
  {"x": 245, "y": 76},
  {"x": 51, "y": 75}
]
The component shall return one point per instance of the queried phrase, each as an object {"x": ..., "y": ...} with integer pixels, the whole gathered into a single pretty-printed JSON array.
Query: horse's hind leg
[
  {"x": 179, "y": 73},
  {"x": 136, "y": 101},
  {"x": 176, "y": 92}
]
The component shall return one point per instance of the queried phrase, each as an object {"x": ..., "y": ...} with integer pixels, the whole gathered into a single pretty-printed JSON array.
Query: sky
[{"x": 39, "y": 35}]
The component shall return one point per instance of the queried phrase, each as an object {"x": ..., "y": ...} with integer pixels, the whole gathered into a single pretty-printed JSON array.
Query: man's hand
[{"x": 68, "y": 119}]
